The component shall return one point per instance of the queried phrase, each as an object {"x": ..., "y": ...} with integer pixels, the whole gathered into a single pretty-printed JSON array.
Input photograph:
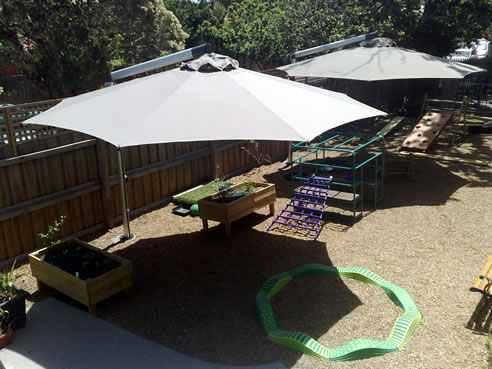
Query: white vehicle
[
  {"x": 481, "y": 49},
  {"x": 460, "y": 55}
]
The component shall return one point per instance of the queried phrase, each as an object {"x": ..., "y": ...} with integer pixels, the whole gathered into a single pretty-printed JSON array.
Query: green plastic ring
[{"x": 357, "y": 349}]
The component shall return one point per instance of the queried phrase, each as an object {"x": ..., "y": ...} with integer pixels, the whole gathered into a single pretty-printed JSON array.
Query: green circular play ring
[{"x": 354, "y": 350}]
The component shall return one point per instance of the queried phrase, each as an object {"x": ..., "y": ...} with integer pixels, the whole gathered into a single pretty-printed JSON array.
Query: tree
[
  {"x": 444, "y": 23},
  {"x": 266, "y": 31},
  {"x": 392, "y": 19},
  {"x": 191, "y": 15},
  {"x": 430, "y": 26},
  {"x": 269, "y": 31},
  {"x": 68, "y": 47}
]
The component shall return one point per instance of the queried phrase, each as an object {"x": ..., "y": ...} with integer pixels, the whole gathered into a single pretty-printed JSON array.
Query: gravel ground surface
[{"x": 194, "y": 290}]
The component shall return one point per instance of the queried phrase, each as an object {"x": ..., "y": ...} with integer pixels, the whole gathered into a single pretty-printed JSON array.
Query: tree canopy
[
  {"x": 68, "y": 47},
  {"x": 269, "y": 31}
]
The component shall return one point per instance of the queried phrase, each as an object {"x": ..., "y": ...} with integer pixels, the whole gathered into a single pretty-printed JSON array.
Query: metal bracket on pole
[
  {"x": 161, "y": 62},
  {"x": 332, "y": 45},
  {"x": 124, "y": 203}
]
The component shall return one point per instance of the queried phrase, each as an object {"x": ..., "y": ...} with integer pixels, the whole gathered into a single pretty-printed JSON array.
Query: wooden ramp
[
  {"x": 392, "y": 123},
  {"x": 426, "y": 131}
]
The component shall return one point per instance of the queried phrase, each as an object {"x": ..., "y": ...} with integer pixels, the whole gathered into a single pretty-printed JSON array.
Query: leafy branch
[
  {"x": 252, "y": 148},
  {"x": 50, "y": 237}
]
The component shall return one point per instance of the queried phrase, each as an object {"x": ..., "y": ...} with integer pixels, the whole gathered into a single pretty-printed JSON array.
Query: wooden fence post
[
  {"x": 107, "y": 198},
  {"x": 213, "y": 159},
  {"x": 424, "y": 105},
  {"x": 10, "y": 129},
  {"x": 465, "y": 106}
]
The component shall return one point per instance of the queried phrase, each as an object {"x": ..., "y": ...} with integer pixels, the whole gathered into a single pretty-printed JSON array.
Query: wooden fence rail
[
  {"x": 17, "y": 138},
  {"x": 80, "y": 181}
]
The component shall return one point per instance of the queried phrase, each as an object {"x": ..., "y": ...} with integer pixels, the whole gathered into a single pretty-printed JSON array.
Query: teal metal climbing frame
[{"x": 354, "y": 160}]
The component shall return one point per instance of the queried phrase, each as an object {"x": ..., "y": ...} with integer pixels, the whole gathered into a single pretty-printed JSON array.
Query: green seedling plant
[
  {"x": 225, "y": 194},
  {"x": 4, "y": 317},
  {"x": 250, "y": 186},
  {"x": 7, "y": 281},
  {"x": 252, "y": 148},
  {"x": 51, "y": 236}
]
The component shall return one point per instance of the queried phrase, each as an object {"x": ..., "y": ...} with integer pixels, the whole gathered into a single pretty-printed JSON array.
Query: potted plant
[
  {"x": 77, "y": 269},
  {"x": 5, "y": 330},
  {"x": 236, "y": 202},
  {"x": 81, "y": 271},
  {"x": 12, "y": 299}
]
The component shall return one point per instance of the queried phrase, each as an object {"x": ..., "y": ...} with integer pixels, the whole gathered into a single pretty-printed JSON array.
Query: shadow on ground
[
  {"x": 195, "y": 293},
  {"x": 434, "y": 184},
  {"x": 481, "y": 320}
]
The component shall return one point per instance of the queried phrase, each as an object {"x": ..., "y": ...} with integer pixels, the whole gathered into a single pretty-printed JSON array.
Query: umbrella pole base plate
[{"x": 122, "y": 238}]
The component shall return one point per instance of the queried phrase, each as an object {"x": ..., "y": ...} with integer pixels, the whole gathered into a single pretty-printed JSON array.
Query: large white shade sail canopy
[
  {"x": 201, "y": 105},
  {"x": 379, "y": 62},
  {"x": 208, "y": 99}
]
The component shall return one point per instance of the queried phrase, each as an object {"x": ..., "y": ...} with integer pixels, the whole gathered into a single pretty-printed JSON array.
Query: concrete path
[{"x": 60, "y": 336}]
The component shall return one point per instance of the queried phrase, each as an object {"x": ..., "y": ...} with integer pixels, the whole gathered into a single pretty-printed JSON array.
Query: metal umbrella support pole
[
  {"x": 124, "y": 203},
  {"x": 131, "y": 71}
]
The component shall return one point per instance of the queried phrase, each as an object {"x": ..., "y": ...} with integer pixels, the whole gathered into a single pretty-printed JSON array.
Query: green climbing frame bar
[
  {"x": 355, "y": 161},
  {"x": 354, "y": 350}
]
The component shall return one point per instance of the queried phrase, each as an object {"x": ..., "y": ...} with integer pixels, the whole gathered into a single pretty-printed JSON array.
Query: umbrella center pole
[{"x": 124, "y": 203}]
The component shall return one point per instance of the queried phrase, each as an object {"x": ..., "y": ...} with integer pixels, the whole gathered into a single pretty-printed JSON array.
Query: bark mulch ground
[{"x": 194, "y": 290}]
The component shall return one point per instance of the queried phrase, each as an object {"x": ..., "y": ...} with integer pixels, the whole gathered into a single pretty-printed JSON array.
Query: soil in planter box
[
  {"x": 229, "y": 198},
  {"x": 80, "y": 261},
  {"x": 10, "y": 293},
  {"x": 236, "y": 195}
]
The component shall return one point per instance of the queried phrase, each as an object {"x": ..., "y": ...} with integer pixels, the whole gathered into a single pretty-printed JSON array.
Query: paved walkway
[{"x": 59, "y": 336}]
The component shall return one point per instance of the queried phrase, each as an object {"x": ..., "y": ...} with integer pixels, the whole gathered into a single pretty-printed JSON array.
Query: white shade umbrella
[
  {"x": 379, "y": 63},
  {"x": 184, "y": 105},
  {"x": 208, "y": 99}
]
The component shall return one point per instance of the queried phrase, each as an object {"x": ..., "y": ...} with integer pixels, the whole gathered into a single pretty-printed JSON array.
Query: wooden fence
[
  {"x": 18, "y": 90},
  {"x": 80, "y": 181},
  {"x": 17, "y": 138},
  {"x": 388, "y": 95}
]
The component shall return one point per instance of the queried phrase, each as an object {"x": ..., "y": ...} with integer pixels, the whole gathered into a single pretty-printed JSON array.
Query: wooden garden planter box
[
  {"x": 227, "y": 213},
  {"x": 88, "y": 292}
]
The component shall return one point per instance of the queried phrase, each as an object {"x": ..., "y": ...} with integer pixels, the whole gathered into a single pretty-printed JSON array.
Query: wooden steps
[{"x": 343, "y": 196}]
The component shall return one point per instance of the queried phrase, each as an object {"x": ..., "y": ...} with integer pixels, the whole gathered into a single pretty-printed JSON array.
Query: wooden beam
[
  {"x": 228, "y": 144},
  {"x": 10, "y": 130},
  {"x": 48, "y": 152},
  {"x": 151, "y": 168},
  {"x": 457, "y": 102},
  {"x": 446, "y": 158},
  {"x": 44, "y": 201},
  {"x": 213, "y": 159},
  {"x": 107, "y": 198},
  {"x": 392, "y": 124}
]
